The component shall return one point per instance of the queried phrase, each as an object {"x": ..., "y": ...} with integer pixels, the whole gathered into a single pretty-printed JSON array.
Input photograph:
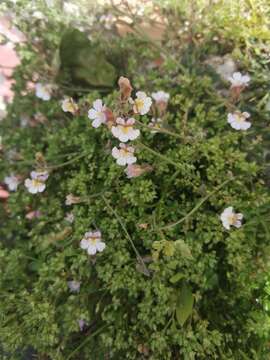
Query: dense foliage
[{"x": 172, "y": 282}]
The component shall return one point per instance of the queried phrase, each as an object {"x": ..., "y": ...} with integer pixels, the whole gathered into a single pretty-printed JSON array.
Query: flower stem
[
  {"x": 199, "y": 204},
  {"x": 30, "y": 162},
  {"x": 70, "y": 356},
  {"x": 164, "y": 158},
  {"x": 139, "y": 258},
  {"x": 53, "y": 167},
  {"x": 159, "y": 130}
]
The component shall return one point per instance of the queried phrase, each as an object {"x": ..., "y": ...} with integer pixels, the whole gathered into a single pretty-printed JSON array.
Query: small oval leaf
[
  {"x": 184, "y": 304},
  {"x": 175, "y": 278}
]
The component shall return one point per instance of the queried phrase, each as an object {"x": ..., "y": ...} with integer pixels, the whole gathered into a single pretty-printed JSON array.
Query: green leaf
[
  {"x": 183, "y": 248},
  {"x": 175, "y": 278},
  {"x": 185, "y": 302}
]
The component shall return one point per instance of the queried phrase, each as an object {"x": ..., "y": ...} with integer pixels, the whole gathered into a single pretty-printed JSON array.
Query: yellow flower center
[
  {"x": 232, "y": 218},
  {"x": 71, "y": 107},
  {"x": 124, "y": 152},
  {"x": 93, "y": 240},
  {"x": 125, "y": 129},
  {"x": 36, "y": 182},
  {"x": 240, "y": 118},
  {"x": 139, "y": 104}
]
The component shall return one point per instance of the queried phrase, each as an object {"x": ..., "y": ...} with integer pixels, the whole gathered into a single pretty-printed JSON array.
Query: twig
[
  {"x": 164, "y": 158},
  {"x": 53, "y": 167},
  {"x": 85, "y": 341},
  {"x": 30, "y": 162},
  {"x": 200, "y": 203},
  {"x": 139, "y": 258},
  {"x": 159, "y": 130}
]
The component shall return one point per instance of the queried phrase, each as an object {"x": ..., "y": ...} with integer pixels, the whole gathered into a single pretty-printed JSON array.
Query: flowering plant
[{"x": 133, "y": 185}]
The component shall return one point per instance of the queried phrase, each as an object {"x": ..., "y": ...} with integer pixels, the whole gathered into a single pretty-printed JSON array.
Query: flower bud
[{"x": 125, "y": 88}]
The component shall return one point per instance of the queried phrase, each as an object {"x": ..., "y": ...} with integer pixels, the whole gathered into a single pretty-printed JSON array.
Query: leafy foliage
[{"x": 206, "y": 293}]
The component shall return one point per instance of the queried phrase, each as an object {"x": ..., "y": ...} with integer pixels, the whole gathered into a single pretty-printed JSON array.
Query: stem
[
  {"x": 93, "y": 196},
  {"x": 160, "y": 130},
  {"x": 30, "y": 162},
  {"x": 169, "y": 322},
  {"x": 139, "y": 258},
  {"x": 85, "y": 341},
  {"x": 169, "y": 161},
  {"x": 53, "y": 167},
  {"x": 185, "y": 118},
  {"x": 200, "y": 203}
]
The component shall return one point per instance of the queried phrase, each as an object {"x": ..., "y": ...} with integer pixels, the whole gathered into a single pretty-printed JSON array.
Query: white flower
[
  {"x": 239, "y": 80},
  {"x": 124, "y": 155},
  {"x": 161, "y": 96},
  {"x": 142, "y": 104},
  {"x": 34, "y": 186},
  {"x": 230, "y": 218},
  {"x": 68, "y": 105},
  {"x": 97, "y": 113},
  {"x": 12, "y": 182},
  {"x": 156, "y": 124},
  {"x": 37, "y": 182},
  {"x": 74, "y": 286},
  {"x": 92, "y": 242},
  {"x": 237, "y": 120},
  {"x": 124, "y": 130},
  {"x": 43, "y": 91}
]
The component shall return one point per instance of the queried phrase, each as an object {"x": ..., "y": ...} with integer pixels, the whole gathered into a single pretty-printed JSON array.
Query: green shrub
[{"x": 172, "y": 282}]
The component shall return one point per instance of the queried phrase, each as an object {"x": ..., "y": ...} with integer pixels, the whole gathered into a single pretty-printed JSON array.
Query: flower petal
[
  {"x": 97, "y": 105},
  {"x": 101, "y": 246},
  {"x": 91, "y": 250},
  {"x": 96, "y": 123},
  {"x": 92, "y": 114}
]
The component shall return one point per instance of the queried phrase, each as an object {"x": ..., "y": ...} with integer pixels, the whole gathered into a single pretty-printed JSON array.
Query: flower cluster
[
  {"x": 237, "y": 120},
  {"x": 123, "y": 120},
  {"x": 122, "y": 124}
]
